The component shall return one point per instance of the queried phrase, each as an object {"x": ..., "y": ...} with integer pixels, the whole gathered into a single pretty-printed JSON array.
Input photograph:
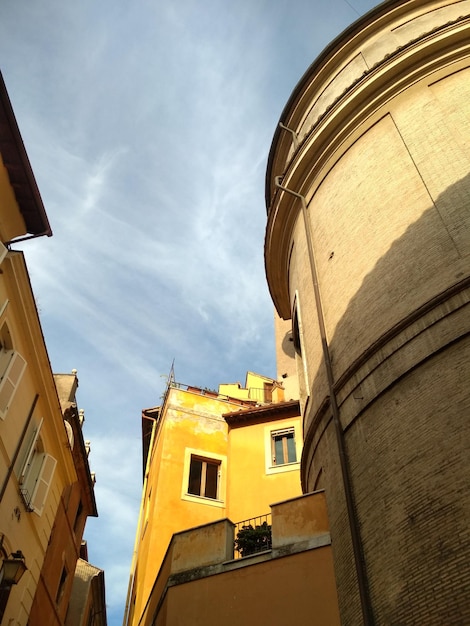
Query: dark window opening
[
  {"x": 203, "y": 477},
  {"x": 296, "y": 333},
  {"x": 60, "y": 590}
]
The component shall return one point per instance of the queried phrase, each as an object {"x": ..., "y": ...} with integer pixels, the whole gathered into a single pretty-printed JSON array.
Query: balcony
[{"x": 252, "y": 536}]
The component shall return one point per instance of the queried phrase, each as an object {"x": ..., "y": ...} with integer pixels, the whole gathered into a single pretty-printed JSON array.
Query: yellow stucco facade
[
  {"x": 293, "y": 582},
  {"x": 209, "y": 456}
]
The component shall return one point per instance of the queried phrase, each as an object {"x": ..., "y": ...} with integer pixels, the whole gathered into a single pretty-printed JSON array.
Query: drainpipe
[{"x": 351, "y": 509}]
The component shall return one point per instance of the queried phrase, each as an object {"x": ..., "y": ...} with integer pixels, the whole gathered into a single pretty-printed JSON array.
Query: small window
[
  {"x": 283, "y": 447},
  {"x": 203, "y": 477}
]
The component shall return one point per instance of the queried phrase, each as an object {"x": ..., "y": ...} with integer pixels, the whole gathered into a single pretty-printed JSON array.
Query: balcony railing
[{"x": 252, "y": 536}]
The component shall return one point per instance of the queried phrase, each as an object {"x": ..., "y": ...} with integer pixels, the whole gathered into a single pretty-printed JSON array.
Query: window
[
  {"x": 203, "y": 477},
  {"x": 300, "y": 358},
  {"x": 12, "y": 366},
  {"x": 36, "y": 475},
  {"x": 62, "y": 581},
  {"x": 283, "y": 446},
  {"x": 204, "y": 480},
  {"x": 78, "y": 518}
]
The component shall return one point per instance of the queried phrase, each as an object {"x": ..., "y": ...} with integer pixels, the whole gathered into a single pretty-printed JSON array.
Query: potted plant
[{"x": 251, "y": 539}]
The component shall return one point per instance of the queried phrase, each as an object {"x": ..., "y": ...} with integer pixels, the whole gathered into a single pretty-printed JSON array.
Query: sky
[{"x": 148, "y": 125}]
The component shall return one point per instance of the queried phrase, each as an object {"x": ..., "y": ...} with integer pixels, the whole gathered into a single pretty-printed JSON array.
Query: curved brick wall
[{"x": 381, "y": 156}]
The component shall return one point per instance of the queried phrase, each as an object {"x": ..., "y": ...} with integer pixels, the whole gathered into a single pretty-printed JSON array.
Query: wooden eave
[{"x": 19, "y": 169}]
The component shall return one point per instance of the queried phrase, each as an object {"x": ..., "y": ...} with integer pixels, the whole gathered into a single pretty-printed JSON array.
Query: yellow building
[
  {"x": 44, "y": 485},
  {"x": 368, "y": 254},
  {"x": 208, "y": 456},
  {"x": 292, "y": 582}
]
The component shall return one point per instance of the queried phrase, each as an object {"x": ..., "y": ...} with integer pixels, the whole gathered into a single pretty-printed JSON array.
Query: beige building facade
[
  {"x": 368, "y": 254},
  {"x": 46, "y": 489}
]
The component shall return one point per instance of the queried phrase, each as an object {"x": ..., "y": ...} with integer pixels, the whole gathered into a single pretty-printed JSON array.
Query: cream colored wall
[
  {"x": 394, "y": 155},
  {"x": 23, "y": 530}
]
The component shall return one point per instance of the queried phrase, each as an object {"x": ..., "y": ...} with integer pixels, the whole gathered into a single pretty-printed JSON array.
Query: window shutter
[
  {"x": 3, "y": 252},
  {"x": 29, "y": 457},
  {"x": 10, "y": 382},
  {"x": 43, "y": 483}
]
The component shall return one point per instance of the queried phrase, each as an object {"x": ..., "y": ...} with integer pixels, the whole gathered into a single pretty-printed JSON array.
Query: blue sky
[{"x": 148, "y": 125}]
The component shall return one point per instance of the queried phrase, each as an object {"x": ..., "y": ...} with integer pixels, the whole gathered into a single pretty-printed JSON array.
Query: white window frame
[
  {"x": 279, "y": 433},
  {"x": 221, "y": 460},
  {"x": 205, "y": 464},
  {"x": 278, "y": 427}
]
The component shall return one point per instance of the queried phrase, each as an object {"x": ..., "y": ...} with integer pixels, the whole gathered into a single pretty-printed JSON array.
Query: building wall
[
  {"x": 190, "y": 422},
  {"x": 50, "y": 603},
  {"x": 292, "y": 583},
  {"x": 261, "y": 594},
  {"x": 77, "y": 502},
  {"x": 194, "y": 422},
  {"x": 87, "y": 603},
  {"x": 253, "y": 482},
  {"x": 383, "y": 122},
  {"x": 35, "y": 399},
  {"x": 285, "y": 358}
]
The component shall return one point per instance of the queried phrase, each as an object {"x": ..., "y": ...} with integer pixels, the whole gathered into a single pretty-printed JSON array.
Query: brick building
[{"x": 368, "y": 254}]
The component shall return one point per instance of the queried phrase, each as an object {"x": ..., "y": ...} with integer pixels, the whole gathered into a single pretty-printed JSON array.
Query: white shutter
[
  {"x": 3, "y": 252},
  {"x": 10, "y": 382},
  {"x": 43, "y": 483},
  {"x": 29, "y": 456}
]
